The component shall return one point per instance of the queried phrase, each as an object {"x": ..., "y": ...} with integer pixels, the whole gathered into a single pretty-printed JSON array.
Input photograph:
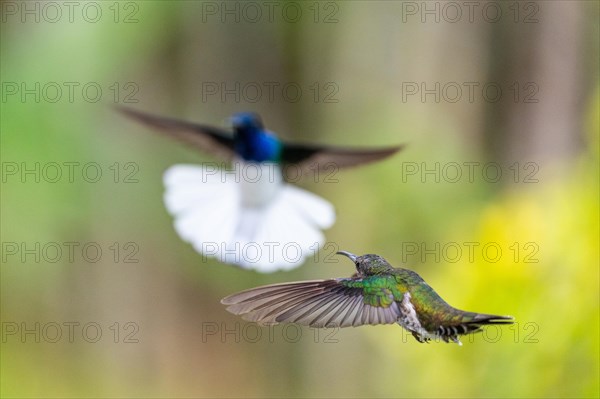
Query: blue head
[{"x": 252, "y": 141}]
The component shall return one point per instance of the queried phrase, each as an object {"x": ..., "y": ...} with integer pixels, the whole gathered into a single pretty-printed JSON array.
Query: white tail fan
[{"x": 276, "y": 229}]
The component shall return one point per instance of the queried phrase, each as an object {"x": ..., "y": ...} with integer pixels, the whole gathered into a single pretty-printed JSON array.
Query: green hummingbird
[{"x": 376, "y": 294}]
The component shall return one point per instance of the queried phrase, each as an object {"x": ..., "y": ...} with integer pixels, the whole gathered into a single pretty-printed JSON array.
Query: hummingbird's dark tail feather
[
  {"x": 474, "y": 323},
  {"x": 484, "y": 319},
  {"x": 480, "y": 320}
]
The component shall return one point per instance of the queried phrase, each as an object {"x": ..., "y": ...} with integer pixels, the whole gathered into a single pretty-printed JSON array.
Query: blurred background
[{"x": 494, "y": 201}]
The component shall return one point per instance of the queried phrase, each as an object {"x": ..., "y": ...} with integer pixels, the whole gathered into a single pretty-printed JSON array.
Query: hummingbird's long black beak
[{"x": 348, "y": 254}]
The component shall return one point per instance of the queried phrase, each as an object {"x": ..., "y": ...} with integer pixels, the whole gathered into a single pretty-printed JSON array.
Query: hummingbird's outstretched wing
[
  {"x": 309, "y": 158},
  {"x": 213, "y": 140},
  {"x": 340, "y": 302}
]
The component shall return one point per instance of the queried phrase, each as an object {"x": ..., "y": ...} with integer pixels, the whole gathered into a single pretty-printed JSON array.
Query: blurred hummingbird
[
  {"x": 376, "y": 294},
  {"x": 250, "y": 216}
]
